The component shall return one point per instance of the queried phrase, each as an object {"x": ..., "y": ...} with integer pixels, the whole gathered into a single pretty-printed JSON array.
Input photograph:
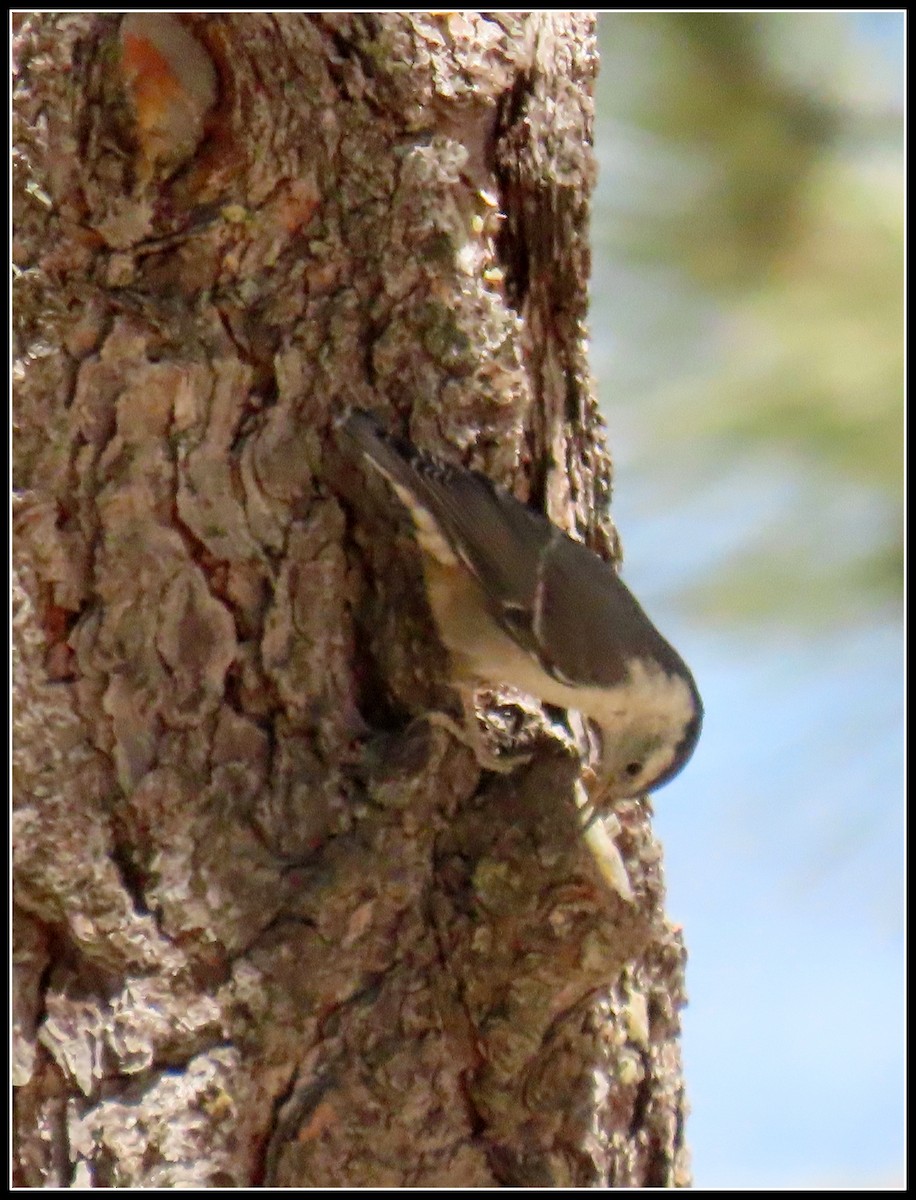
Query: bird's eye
[{"x": 633, "y": 768}]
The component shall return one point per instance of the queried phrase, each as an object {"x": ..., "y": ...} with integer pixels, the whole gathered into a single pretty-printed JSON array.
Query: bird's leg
[{"x": 469, "y": 733}]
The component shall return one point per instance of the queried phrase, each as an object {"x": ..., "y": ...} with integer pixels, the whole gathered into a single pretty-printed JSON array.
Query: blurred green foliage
[{"x": 752, "y": 186}]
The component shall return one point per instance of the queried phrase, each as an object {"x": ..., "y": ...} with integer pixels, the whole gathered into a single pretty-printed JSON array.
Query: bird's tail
[{"x": 360, "y": 434}]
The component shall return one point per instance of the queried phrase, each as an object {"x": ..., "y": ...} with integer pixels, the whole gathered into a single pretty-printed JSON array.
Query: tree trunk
[{"x": 270, "y": 927}]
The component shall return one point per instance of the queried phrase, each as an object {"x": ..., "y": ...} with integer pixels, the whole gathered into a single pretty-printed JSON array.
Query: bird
[{"x": 517, "y": 602}]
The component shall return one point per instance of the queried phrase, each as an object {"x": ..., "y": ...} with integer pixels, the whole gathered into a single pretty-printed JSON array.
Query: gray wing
[{"x": 539, "y": 583}]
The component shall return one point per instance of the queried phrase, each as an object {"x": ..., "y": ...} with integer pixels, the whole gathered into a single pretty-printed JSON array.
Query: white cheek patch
[
  {"x": 655, "y": 764},
  {"x": 653, "y": 690},
  {"x": 641, "y": 720}
]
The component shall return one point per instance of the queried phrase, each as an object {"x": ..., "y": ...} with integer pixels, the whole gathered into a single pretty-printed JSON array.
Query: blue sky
[{"x": 784, "y": 837}]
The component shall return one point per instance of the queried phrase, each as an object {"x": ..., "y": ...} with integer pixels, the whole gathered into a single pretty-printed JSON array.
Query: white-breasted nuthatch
[{"x": 520, "y": 603}]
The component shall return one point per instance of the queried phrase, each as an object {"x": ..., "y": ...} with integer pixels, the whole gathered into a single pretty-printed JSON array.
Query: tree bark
[{"x": 270, "y": 928}]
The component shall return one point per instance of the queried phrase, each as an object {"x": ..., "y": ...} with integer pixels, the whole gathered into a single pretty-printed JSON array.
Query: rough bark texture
[{"x": 270, "y": 928}]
